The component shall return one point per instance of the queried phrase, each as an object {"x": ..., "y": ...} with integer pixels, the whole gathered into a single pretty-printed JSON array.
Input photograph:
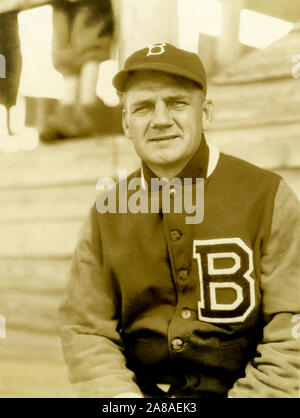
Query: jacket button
[
  {"x": 183, "y": 274},
  {"x": 186, "y": 313},
  {"x": 175, "y": 235},
  {"x": 177, "y": 344}
]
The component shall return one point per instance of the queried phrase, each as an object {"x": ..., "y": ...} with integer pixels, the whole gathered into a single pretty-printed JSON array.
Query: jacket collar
[{"x": 195, "y": 168}]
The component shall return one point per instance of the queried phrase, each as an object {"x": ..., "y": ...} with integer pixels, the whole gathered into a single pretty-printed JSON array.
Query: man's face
[{"x": 163, "y": 116}]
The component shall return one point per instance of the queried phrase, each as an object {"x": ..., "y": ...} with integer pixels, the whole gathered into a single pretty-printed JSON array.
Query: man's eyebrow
[
  {"x": 170, "y": 97},
  {"x": 141, "y": 102},
  {"x": 177, "y": 97}
]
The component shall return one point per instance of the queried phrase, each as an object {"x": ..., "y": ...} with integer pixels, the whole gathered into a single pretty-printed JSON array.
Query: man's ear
[
  {"x": 207, "y": 111},
  {"x": 125, "y": 124}
]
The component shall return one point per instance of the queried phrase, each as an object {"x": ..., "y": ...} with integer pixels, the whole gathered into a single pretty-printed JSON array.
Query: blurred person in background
[
  {"x": 10, "y": 50},
  {"x": 82, "y": 39}
]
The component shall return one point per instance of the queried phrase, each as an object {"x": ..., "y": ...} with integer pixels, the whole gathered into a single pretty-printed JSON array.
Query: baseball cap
[{"x": 166, "y": 58}]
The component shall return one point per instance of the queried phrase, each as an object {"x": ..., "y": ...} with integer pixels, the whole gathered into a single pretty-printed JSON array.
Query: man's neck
[
  {"x": 196, "y": 167},
  {"x": 167, "y": 172}
]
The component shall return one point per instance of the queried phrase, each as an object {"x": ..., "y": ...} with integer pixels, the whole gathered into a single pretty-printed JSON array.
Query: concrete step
[
  {"x": 38, "y": 204},
  {"x": 34, "y": 313},
  {"x": 54, "y": 239},
  {"x": 32, "y": 293},
  {"x": 73, "y": 161},
  {"x": 258, "y": 104},
  {"x": 32, "y": 365},
  {"x": 35, "y": 275},
  {"x": 33, "y": 379},
  {"x": 271, "y": 147}
]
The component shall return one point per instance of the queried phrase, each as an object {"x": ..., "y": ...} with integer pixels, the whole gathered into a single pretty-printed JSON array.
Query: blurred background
[{"x": 60, "y": 132}]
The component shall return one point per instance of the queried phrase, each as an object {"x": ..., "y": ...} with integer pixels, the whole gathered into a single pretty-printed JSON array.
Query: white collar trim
[{"x": 213, "y": 158}]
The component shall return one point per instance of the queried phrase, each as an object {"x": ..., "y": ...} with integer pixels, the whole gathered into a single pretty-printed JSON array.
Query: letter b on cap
[{"x": 156, "y": 49}]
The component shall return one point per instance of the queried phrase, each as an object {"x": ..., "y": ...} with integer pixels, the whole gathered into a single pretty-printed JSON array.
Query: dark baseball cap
[{"x": 166, "y": 58}]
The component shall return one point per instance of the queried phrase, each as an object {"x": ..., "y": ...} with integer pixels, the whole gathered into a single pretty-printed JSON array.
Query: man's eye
[
  {"x": 179, "y": 104},
  {"x": 141, "y": 109}
]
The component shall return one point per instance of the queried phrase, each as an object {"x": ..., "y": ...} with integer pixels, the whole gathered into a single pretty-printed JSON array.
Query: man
[{"x": 157, "y": 306}]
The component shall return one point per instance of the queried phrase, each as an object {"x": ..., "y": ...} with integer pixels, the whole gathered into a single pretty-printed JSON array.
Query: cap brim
[{"x": 120, "y": 79}]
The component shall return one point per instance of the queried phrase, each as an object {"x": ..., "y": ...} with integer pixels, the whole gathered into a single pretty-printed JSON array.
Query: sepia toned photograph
[{"x": 149, "y": 188}]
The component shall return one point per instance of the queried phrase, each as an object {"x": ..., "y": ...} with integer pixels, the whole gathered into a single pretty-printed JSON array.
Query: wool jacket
[{"x": 206, "y": 308}]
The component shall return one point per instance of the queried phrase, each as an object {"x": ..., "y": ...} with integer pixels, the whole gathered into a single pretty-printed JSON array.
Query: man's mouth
[{"x": 163, "y": 138}]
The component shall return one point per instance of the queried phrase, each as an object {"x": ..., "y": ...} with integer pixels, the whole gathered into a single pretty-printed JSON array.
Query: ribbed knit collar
[{"x": 195, "y": 168}]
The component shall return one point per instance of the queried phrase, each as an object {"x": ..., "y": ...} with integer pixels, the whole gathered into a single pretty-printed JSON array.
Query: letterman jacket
[{"x": 209, "y": 308}]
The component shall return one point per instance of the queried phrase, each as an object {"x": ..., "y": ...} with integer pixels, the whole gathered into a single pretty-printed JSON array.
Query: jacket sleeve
[
  {"x": 88, "y": 321},
  {"x": 275, "y": 371}
]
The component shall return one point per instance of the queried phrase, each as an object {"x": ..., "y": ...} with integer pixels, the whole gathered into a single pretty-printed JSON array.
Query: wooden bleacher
[
  {"x": 256, "y": 109},
  {"x": 44, "y": 196}
]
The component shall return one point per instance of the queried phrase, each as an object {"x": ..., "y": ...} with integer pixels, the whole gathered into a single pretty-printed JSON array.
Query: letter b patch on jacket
[{"x": 227, "y": 291}]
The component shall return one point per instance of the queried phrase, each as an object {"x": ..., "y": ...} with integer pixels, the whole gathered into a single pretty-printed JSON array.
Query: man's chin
[
  {"x": 164, "y": 162},
  {"x": 168, "y": 150}
]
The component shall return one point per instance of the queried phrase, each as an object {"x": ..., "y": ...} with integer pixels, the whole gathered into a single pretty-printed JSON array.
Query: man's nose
[{"x": 161, "y": 117}]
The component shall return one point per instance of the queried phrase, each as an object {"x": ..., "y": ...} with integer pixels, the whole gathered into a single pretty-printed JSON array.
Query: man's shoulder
[{"x": 235, "y": 166}]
